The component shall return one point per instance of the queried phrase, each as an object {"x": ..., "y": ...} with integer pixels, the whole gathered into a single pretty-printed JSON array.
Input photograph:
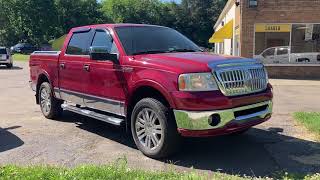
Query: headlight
[{"x": 197, "y": 82}]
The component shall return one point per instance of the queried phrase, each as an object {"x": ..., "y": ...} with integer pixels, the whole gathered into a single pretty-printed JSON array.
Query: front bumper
[{"x": 195, "y": 123}]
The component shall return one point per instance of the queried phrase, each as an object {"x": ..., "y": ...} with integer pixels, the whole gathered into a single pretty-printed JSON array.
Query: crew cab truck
[{"x": 154, "y": 81}]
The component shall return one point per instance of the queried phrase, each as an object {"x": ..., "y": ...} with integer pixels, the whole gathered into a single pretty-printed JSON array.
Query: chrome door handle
[
  {"x": 86, "y": 67},
  {"x": 62, "y": 66}
]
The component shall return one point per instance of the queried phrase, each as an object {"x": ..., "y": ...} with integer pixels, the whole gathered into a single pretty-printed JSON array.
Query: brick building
[{"x": 276, "y": 31}]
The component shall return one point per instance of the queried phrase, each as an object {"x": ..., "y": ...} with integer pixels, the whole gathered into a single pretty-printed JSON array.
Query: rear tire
[
  {"x": 49, "y": 105},
  {"x": 154, "y": 129},
  {"x": 9, "y": 66}
]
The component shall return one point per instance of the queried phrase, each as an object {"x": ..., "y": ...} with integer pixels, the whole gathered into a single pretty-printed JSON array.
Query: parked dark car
[{"x": 23, "y": 48}]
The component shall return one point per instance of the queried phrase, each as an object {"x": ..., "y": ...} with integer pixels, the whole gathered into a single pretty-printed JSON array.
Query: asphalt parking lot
[{"x": 26, "y": 137}]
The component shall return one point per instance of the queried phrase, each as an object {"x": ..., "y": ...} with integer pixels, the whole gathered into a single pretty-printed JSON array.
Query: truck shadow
[
  {"x": 259, "y": 152},
  {"x": 8, "y": 140}
]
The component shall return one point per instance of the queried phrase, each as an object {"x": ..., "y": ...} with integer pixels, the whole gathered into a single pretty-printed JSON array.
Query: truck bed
[{"x": 44, "y": 62}]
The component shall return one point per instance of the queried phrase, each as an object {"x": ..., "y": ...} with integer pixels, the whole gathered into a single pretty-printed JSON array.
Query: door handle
[
  {"x": 86, "y": 67},
  {"x": 62, "y": 66}
]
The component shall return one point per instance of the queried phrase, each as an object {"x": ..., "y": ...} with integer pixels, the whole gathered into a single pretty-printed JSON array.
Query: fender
[{"x": 156, "y": 85}]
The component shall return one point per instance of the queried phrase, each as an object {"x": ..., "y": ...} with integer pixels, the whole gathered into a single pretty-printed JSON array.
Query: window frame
[
  {"x": 90, "y": 33},
  {"x": 107, "y": 32}
]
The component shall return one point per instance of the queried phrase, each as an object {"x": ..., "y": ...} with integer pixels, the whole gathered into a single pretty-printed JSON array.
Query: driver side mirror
[{"x": 101, "y": 53}]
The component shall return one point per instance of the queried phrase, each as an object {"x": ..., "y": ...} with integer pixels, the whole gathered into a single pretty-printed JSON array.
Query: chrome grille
[{"x": 241, "y": 80}]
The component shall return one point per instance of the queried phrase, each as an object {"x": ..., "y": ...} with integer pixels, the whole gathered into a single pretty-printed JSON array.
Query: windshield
[{"x": 153, "y": 39}]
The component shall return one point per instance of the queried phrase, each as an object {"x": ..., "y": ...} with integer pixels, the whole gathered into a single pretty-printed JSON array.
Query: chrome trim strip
[
  {"x": 92, "y": 114},
  {"x": 48, "y": 53},
  {"x": 199, "y": 120},
  {"x": 94, "y": 102}
]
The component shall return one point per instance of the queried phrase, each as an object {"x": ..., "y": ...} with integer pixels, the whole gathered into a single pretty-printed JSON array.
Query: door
[
  {"x": 71, "y": 67},
  {"x": 104, "y": 87},
  {"x": 269, "y": 56}
]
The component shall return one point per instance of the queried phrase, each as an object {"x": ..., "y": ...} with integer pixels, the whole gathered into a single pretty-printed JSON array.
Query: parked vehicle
[
  {"x": 283, "y": 55},
  {"x": 153, "y": 80},
  {"x": 23, "y": 48},
  {"x": 5, "y": 57}
]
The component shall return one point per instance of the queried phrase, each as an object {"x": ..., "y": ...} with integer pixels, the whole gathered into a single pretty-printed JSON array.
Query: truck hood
[{"x": 183, "y": 62}]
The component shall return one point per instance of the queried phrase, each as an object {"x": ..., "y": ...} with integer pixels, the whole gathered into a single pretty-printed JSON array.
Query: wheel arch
[
  {"x": 43, "y": 77},
  {"x": 147, "y": 89}
]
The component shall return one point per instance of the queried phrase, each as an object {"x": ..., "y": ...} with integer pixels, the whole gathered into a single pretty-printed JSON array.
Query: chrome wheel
[
  {"x": 149, "y": 129},
  {"x": 45, "y": 100}
]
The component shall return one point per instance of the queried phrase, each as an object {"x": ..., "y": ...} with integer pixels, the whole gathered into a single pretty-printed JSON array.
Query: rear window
[{"x": 3, "y": 51}]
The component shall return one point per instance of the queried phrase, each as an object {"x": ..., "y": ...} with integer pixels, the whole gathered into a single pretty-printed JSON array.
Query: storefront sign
[{"x": 273, "y": 27}]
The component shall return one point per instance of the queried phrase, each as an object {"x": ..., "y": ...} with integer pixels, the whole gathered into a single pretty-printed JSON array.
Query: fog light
[{"x": 214, "y": 120}]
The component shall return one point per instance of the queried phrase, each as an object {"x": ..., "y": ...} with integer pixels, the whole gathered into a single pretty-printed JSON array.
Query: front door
[
  {"x": 104, "y": 87},
  {"x": 71, "y": 67}
]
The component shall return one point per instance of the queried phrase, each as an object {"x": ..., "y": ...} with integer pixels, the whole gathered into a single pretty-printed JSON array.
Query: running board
[{"x": 92, "y": 114}]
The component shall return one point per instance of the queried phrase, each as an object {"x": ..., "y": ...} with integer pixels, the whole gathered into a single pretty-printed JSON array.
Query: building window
[
  {"x": 291, "y": 43},
  {"x": 253, "y": 3}
]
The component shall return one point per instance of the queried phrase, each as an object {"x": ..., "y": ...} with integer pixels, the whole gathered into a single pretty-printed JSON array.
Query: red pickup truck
[{"x": 153, "y": 80}]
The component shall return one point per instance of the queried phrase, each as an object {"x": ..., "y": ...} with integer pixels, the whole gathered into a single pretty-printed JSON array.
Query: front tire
[
  {"x": 9, "y": 66},
  {"x": 50, "y": 106},
  {"x": 154, "y": 129}
]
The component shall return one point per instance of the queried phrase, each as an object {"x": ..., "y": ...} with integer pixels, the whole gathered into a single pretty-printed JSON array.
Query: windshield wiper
[
  {"x": 149, "y": 52},
  {"x": 183, "y": 50}
]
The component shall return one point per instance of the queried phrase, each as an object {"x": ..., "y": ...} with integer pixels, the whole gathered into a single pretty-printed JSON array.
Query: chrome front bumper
[{"x": 195, "y": 120}]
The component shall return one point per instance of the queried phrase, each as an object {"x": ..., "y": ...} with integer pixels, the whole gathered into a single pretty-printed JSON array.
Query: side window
[
  {"x": 79, "y": 44},
  {"x": 104, "y": 39},
  {"x": 269, "y": 52},
  {"x": 282, "y": 51}
]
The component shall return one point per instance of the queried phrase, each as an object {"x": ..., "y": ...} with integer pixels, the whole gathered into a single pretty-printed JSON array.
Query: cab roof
[{"x": 112, "y": 26}]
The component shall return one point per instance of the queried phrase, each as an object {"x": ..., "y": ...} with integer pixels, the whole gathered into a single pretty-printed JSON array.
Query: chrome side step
[{"x": 92, "y": 114}]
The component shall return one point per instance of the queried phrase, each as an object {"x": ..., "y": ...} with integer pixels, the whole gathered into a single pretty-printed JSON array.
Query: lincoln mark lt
[{"x": 152, "y": 80}]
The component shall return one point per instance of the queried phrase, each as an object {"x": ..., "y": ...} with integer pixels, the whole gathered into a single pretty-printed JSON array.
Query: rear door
[
  {"x": 72, "y": 73},
  {"x": 104, "y": 83}
]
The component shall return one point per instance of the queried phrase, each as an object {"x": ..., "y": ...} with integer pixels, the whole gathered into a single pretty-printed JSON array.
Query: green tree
[
  {"x": 195, "y": 18},
  {"x": 73, "y": 13},
  {"x": 133, "y": 11},
  {"x": 38, "y": 21}
]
